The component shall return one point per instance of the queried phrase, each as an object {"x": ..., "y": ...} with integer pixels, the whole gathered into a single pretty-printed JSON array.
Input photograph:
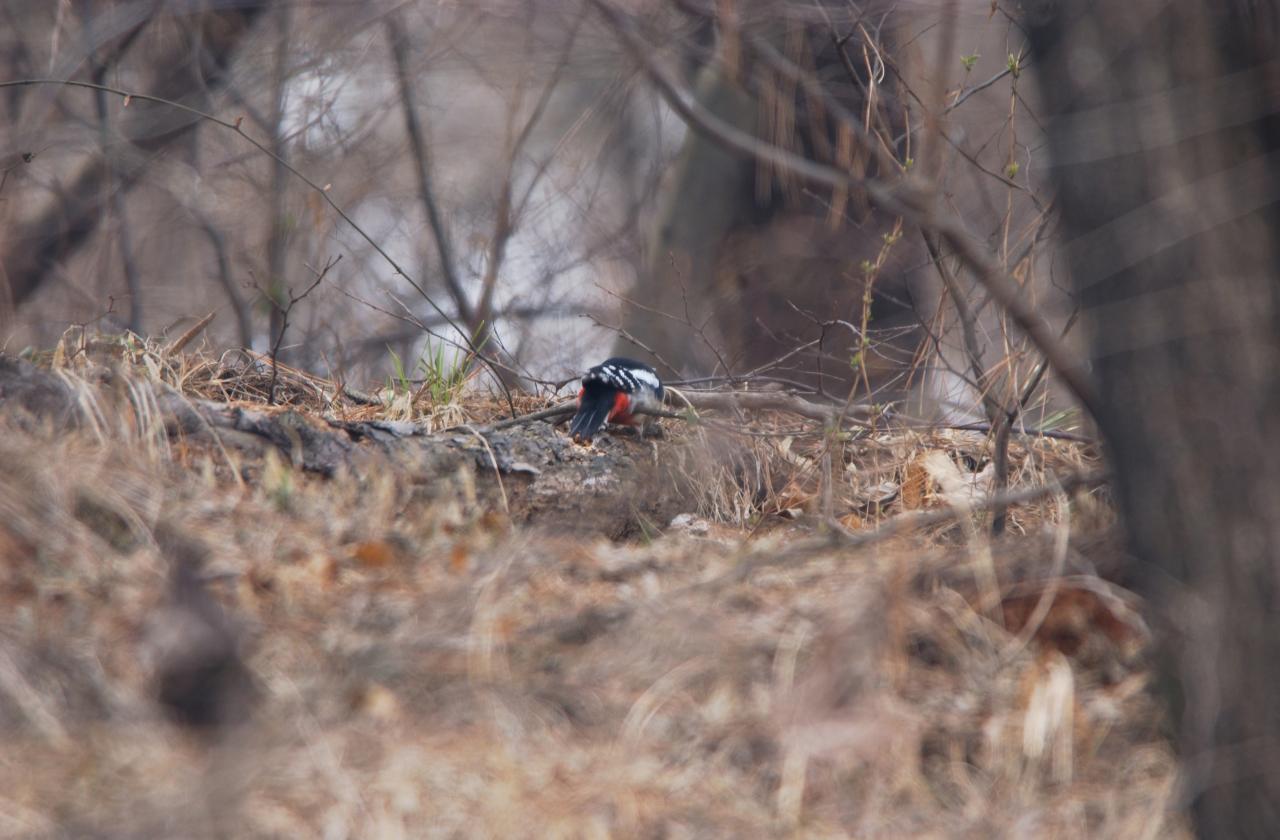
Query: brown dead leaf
[
  {"x": 458, "y": 558},
  {"x": 794, "y": 497},
  {"x": 375, "y": 554},
  {"x": 915, "y": 482},
  {"x": 1076, "y": 616}
]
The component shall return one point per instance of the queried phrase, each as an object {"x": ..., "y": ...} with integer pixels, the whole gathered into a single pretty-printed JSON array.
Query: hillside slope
[{"x": 223, "y": 618}]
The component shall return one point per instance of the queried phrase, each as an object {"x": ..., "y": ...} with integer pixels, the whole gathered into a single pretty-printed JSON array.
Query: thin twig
[
  {"x": 561, "y": 410},
  {"x": 508, "y": 210},
  {"x": 285, "y": 312},
  {"x": 637, "y": 342},
  {"x": 1054, "y": 434},
  {"x": 185, "y": 339},
  {"x": 968, "y": 328},
  {"x": 978, "y": 88},
  {"x": 102, "y": 64},
  {"x": 493, "y": 461},
  {"x": 1004, "y": 424},
  {"x": 770, "y": 401},
  {"x": 703, "y": 401},
  {"x": 409, "y": 318},
  {"x": 277, "y": 239}
]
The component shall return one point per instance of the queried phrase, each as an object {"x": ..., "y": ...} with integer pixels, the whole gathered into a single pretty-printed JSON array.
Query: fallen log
[{"x": 533, "y": 473}]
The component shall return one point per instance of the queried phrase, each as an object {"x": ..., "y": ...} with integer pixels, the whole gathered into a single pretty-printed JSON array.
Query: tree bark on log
[{"x": 533, "y": 473}]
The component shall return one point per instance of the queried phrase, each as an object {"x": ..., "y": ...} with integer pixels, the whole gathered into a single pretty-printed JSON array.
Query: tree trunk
[
  {"x": 699, "y": 207},
  {"x": 1166, "y": 147},
  {"x": 744, "y": 266}
]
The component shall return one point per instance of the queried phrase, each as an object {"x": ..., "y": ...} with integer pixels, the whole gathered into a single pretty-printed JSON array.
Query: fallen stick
[
  {"x": 561, "y": 410},
  {"x": 705, "y": 401},
  {"x": 771, "y": 401},
  {"x": 185, "y": 339}
]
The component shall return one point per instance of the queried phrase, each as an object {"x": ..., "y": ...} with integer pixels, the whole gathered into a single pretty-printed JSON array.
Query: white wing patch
[
  {"x": 637, "y": 381},
  {"x": 646, "y": 377}
]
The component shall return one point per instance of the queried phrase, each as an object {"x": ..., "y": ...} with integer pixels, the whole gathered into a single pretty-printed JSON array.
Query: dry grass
[{"x": 425, "y": 670}]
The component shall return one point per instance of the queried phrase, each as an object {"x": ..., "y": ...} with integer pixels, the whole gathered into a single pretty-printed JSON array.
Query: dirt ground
[{"x": 203, "y": 636}]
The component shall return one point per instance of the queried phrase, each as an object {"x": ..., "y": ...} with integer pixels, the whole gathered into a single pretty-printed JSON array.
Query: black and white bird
[{"x": 613, "y": 392}]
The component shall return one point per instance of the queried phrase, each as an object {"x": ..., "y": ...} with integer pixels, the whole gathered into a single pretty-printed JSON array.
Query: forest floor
[{"x": 209, "y": 630}]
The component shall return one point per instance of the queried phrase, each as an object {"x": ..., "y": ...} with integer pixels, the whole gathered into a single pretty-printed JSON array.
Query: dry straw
[{"x": 425, "y": 669}]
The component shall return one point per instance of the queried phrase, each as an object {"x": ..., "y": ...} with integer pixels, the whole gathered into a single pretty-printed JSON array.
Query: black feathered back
[
  {"x": 624, "y": 371},
  {"x": 600, "y": 389}
]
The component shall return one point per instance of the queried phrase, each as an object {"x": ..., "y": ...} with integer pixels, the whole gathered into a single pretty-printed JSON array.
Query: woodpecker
[{"x": 612, "y": 392}]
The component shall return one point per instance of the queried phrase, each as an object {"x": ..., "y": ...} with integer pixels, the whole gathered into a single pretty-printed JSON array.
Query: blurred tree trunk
[
  {"x": 699, "y": 207},
  {"x": 187, "y": 70},
  {"x": 745, "y": 265},
  {"x": 1166, "y": 144}
]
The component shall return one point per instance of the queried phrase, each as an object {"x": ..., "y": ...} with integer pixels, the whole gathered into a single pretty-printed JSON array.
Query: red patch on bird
[
  {"x": 581, "y": 391},
  {"x": 620, "y": 413}
]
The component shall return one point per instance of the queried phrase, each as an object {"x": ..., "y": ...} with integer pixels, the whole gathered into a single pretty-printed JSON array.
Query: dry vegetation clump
[{"x": 422, "y": 667}]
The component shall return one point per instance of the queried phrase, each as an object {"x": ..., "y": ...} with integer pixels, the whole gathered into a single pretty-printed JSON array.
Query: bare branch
[
  {"x": 124, "y": 238},
  {"x": 285, "y": 311},
  {"x": 69, "y": 221},
  {"x": 771, "y": 401},
  {"x": 968, "y": 328},
  {"x": 188, "y": 336},
  {"x": 978, "y": 88},
  {"x": 322, "y": 191},
  {"x": 910, "y": 201},
  {"x": 238, "y": 303},
  {"x": 398, "y": 37}
]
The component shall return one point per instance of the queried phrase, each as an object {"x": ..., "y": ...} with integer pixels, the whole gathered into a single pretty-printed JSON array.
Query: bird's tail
[{"x": 593, "y": 413}]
